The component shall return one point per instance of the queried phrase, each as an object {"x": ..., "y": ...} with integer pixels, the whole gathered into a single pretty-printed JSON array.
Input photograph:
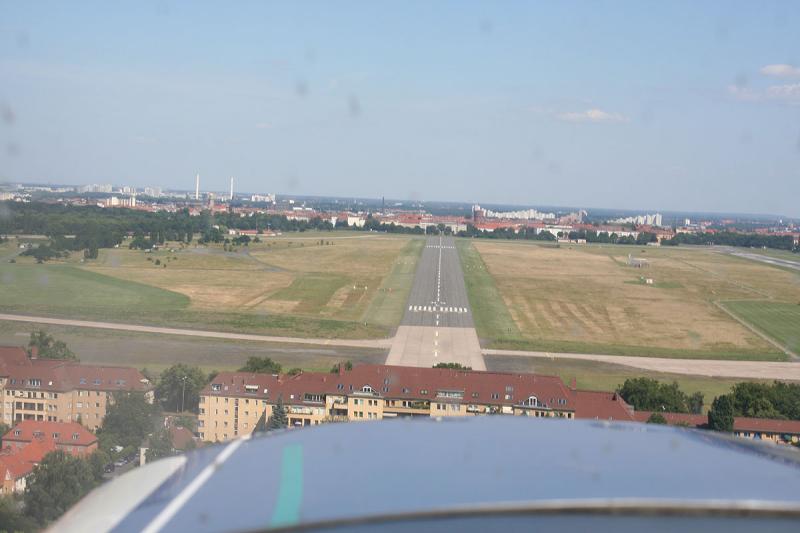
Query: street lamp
[{"x": 183, "y": 391}]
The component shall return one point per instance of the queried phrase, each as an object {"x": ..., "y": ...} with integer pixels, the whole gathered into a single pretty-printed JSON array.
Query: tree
[
  {"x": 646, "y": 394},
  {"x": 696, "y": 402},
  {"x": 455, "y": 366},
  {"x": 348, "y": 365},
  {"x": 160, "y": 445},
  {"x": 720, "y": 416},
  {"x": 49, "y": 348},
  {"x": 56, "y": 484},
  {"x": 656, "y": 418},
  {"x": 11, "y": 519},
  {"x": 179, "y": 387},
  {"x": 186, "y": 421},
  {"x": 261, "y": 365},
  {"x": 279, "y": 419},
  {"x": 98, "y": 461},
  {"x": 128, "y": 420}
]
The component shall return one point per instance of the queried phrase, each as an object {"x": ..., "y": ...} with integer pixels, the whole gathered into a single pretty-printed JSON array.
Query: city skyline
[{"x": 546, "y": 104}]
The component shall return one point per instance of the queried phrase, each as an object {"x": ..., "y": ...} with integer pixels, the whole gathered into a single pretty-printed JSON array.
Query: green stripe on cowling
[{"x": 290, "y": 491}]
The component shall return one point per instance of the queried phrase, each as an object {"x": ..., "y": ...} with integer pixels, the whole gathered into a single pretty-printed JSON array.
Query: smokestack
[
  {"x": 197, "y": 187},
  {"x": 231, "y": 189}
]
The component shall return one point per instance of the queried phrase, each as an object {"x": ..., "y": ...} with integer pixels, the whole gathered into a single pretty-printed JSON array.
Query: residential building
[
  {"x": 70, "y": 437},
  {"x": 61, "y": 391},
  {"x": 233, "y": 402},
  {"x": 17, "y": 464},
  {"x": 779, "y": 431}
]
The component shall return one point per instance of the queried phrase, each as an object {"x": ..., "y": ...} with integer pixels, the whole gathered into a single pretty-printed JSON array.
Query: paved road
[
  {"x": 437, "y": 325},
  {"x": 413, "y": 342},
  {"x": 693, "y": 367},
  {"x": 354, "y": 343}
]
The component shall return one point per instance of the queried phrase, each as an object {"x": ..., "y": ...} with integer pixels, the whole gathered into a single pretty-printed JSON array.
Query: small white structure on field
[{"x": 637, "y": 262}]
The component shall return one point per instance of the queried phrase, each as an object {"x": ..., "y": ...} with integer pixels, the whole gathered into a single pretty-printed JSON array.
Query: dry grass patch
[{"x": 589, "y": 295}]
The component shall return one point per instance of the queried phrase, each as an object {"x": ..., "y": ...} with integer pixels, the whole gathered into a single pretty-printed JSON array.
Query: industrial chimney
[{"x": 197, "y": 187}]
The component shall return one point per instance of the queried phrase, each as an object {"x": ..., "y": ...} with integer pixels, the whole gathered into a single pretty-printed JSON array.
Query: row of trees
[
  {"x": 749, "y": 240},
  {"x": 646, "y": 394},
  {"x": 775, "y": 400},
  {"x": 95, "y": 227},
  {"x": 758, "y": 400}
]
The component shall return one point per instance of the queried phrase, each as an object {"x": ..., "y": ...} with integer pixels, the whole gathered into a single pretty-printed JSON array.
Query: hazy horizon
[{"x": 671, "y": 108}]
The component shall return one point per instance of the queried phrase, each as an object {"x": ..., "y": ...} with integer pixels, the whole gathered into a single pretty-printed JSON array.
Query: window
[
  {"x": 366, "y": 388},
  {"x": 98, "y": 381},
  {"x": 83, "y": 381},
  {"x": 406, "y": 390},
  {"x": 75, "y": 436},
  {"x": 340, "y": 386},
  {"x": 495, "y": 396},
  {"x": 55, "y": 435},
  {"x": 216, "y": 387},
  {"x": 474, "y": 394},
  {"x": 35, "y": 382},
  {"x": 424, "y": 392}
]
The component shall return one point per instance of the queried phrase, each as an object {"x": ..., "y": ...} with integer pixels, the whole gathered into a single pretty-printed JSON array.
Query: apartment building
[
  {"x": 233, "y": 402},
  {"x": 71, "y": 437},
  {"x": 61, "y": 391}
]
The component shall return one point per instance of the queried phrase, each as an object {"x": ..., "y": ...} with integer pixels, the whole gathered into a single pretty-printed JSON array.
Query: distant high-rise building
[
  {"x": 231, "y": 197},
  {"x": 197, "y": 187}
]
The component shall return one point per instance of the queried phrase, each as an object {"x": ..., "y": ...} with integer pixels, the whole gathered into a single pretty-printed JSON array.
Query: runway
[{"x": 437, "y": 324}]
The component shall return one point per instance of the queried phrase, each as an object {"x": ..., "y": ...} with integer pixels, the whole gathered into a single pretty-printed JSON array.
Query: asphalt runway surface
[
  {"x": 437, "y": 325},
  {"x": 795, "y": 265},
  {"x": 438, "y": 296}
]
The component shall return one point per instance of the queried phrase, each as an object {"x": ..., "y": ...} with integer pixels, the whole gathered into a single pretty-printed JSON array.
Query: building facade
[
  {"x": 232, "y": 404},
  {"x": 61, "y": 391}
]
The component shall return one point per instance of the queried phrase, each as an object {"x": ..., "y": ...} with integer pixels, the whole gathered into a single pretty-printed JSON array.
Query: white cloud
[
  {"x": 743, "y": 93},
  {"x": 781, "y": 71},
  {"x": 785, "y": 93},
  {"x": 591, "y": 115}
]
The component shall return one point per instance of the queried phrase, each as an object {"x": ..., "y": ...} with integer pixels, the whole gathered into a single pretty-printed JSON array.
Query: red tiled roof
[
  {"x": 60, "y": 432},
  {"x": 20, "y": 461},
  {"x": 740, "y": 423},
  {"x": 602, "y": 406},
  {"x": 181, "y": 437},
  {"x": 769, "y": 425},
  {"x": 14, "y": 464},
  {"x": 674, "y": 418},
  {"x": 10, "y": 356},
  {"x": 57, "y": 375},
  {"x": 401, "y": 382}
]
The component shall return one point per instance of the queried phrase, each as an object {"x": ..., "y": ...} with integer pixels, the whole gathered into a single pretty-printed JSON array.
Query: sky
[{"x": 645, "y": 105}]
